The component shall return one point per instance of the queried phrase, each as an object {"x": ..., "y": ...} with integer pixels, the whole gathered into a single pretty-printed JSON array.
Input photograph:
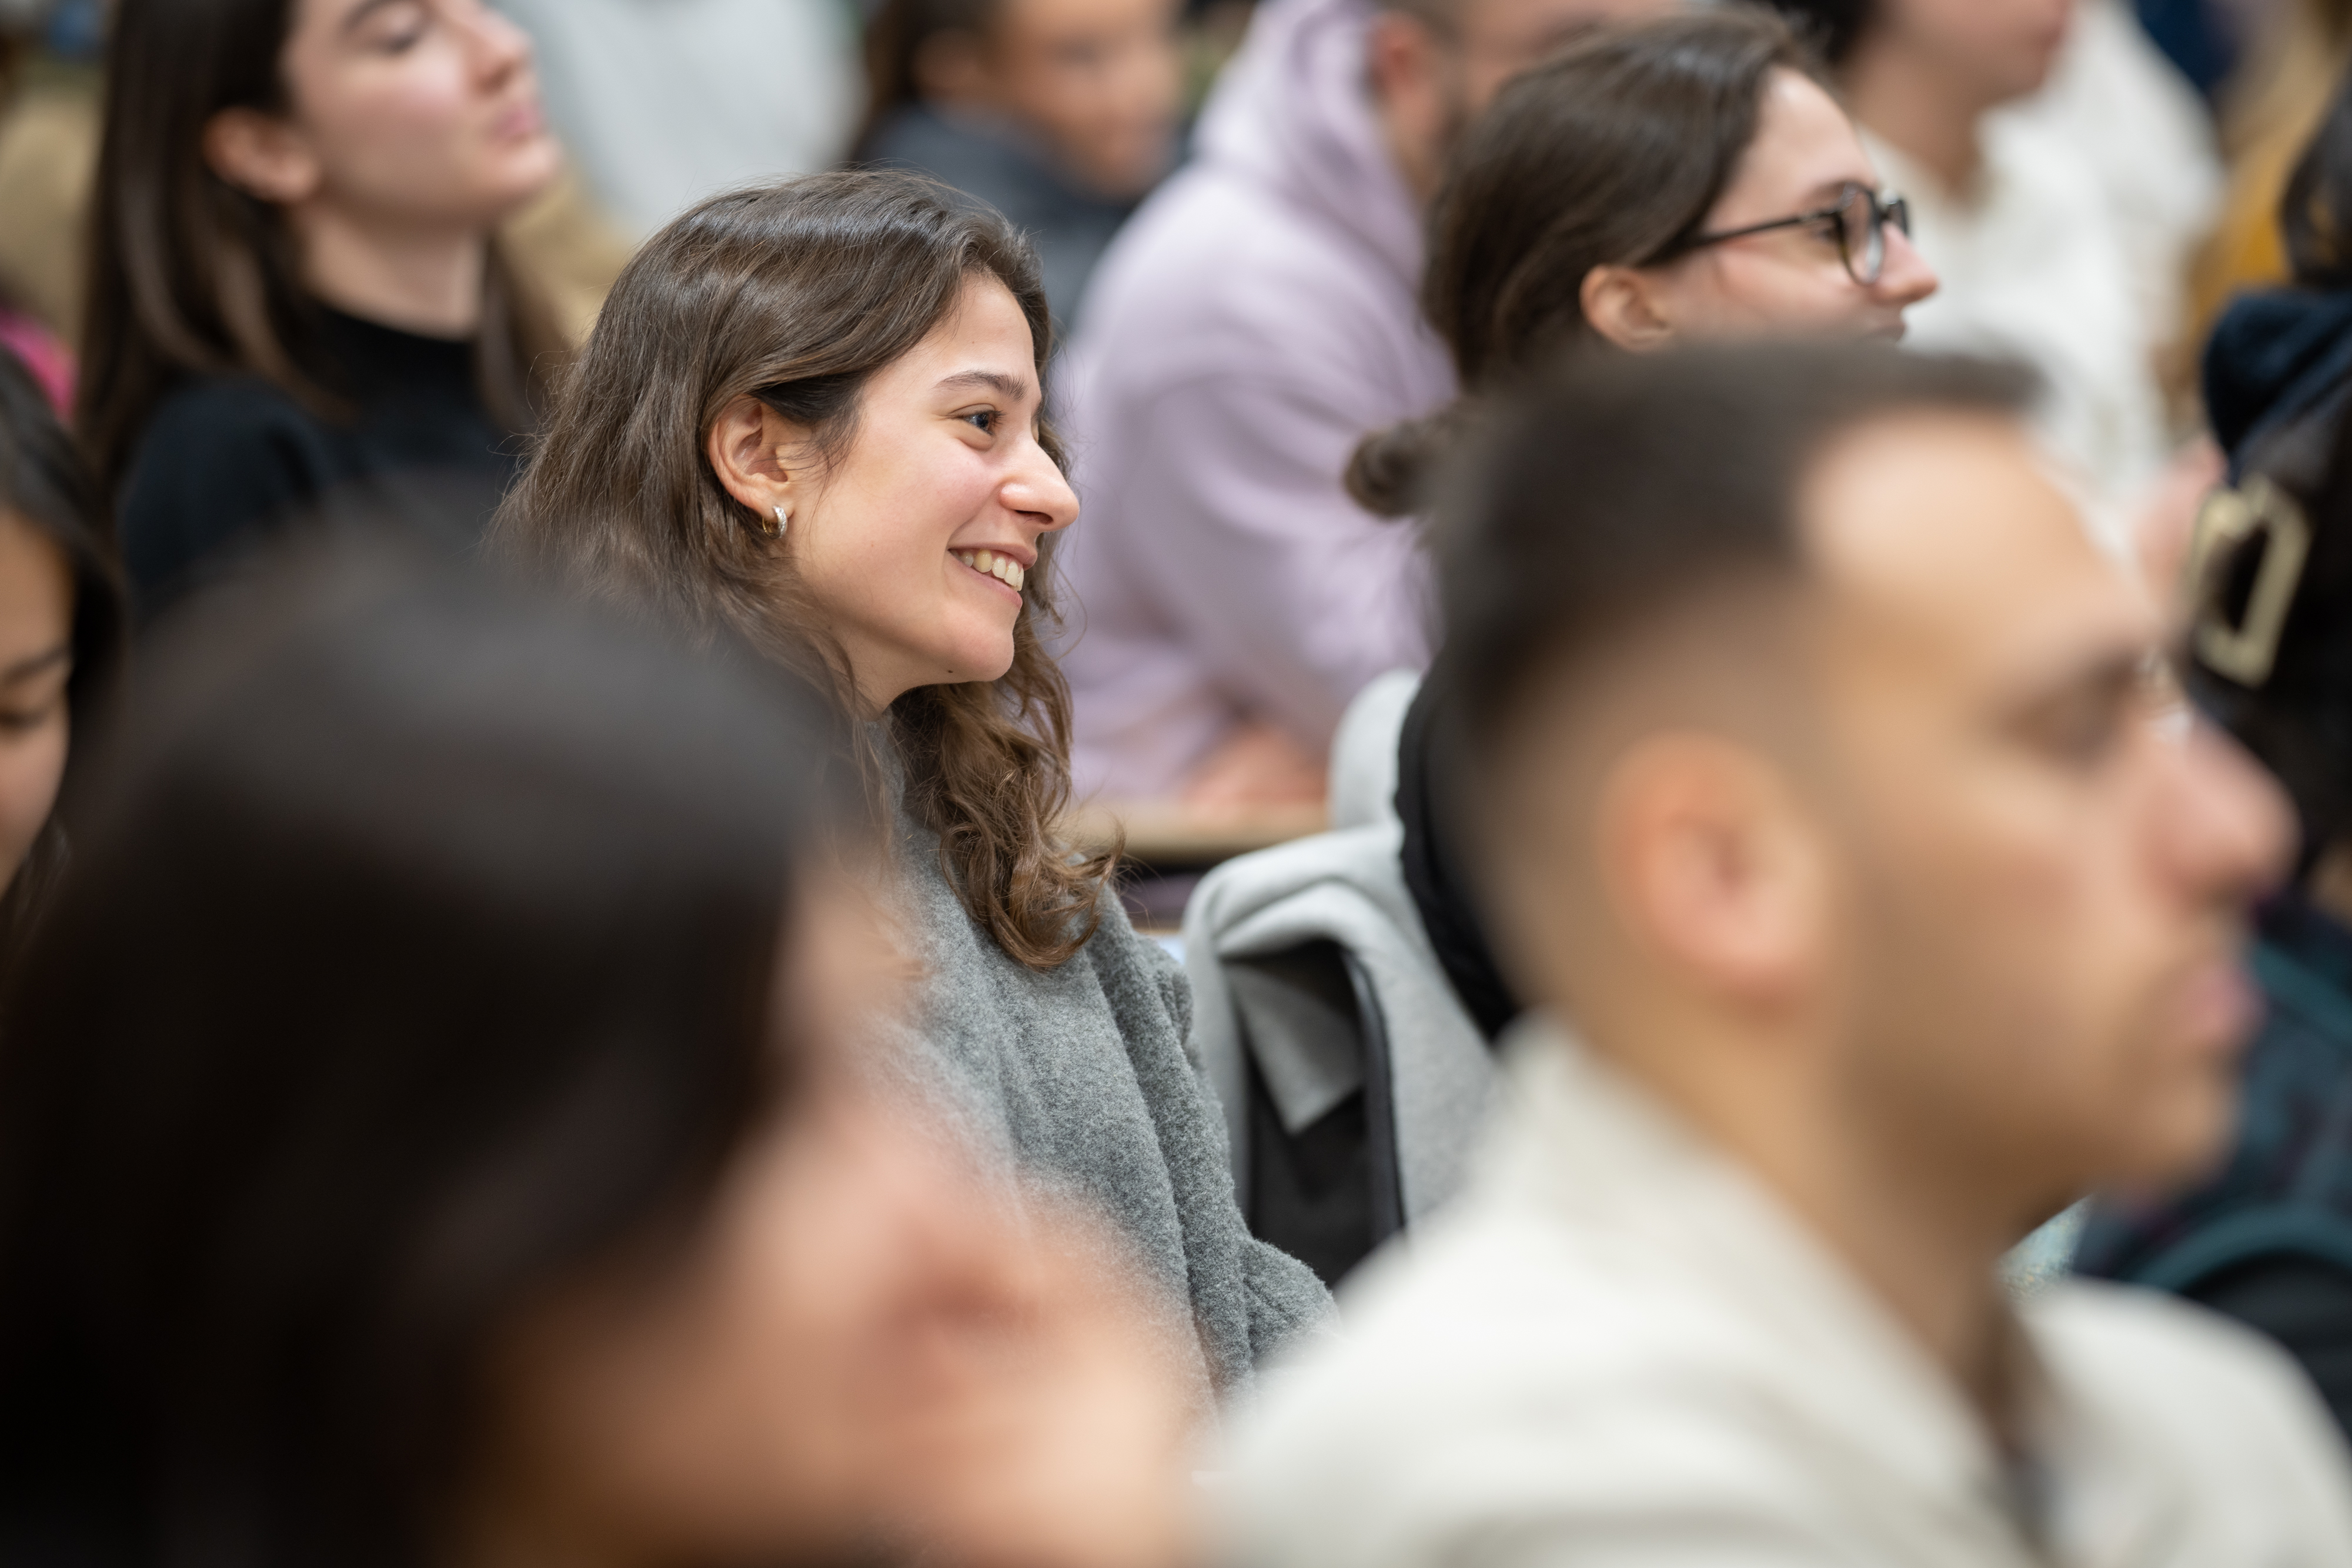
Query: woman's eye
[
  {"x": 982, "y": 420},
  {"x": 397, "y": 29}
]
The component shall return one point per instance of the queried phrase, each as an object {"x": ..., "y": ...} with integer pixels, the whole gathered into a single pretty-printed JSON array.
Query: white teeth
[{"x": 1003, "y": 567}]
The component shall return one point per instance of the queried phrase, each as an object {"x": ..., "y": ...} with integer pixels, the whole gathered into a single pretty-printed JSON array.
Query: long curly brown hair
[{"x": 797, "y": 293}]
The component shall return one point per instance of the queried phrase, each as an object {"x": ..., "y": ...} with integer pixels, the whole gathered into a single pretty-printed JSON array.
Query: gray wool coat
[{"x": 1086, "y": 1075}]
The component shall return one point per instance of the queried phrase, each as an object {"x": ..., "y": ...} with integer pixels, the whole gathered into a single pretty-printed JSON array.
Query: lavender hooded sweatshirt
[{"x": 1254, "y": 320}]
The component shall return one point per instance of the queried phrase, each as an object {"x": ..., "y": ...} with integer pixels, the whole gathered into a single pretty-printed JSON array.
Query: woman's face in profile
[
  {"x": 1790, "y": 280},
  {"x": 401, "y": 112},
  {"x": 36, "y": 662},
  {"x": 917, "y": 543}
]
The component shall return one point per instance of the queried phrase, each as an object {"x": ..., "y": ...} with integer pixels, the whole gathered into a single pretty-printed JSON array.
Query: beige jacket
[{"x": 1619, "y": 1349}]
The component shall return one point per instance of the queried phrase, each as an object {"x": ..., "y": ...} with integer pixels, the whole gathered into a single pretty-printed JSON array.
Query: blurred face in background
[
  {"x": 1806, "y": 157},
  {"x": 35, "y": 660},
  {"x": 401, "y": 115},
  {"x": 1436, "y": 64},
  {"x": 1099, "y": 81},
  {"x": 860, "y": 1344},
  {"x": 1994, "y": 50},
  {"x": 2046, "y": 865}
]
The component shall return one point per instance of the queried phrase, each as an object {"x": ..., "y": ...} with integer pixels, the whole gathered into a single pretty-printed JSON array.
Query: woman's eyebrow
[{"x": 1011, "y": 387}]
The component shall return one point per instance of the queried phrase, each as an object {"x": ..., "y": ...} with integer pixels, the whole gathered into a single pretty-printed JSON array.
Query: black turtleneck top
[{"x": 228, "y": 461}]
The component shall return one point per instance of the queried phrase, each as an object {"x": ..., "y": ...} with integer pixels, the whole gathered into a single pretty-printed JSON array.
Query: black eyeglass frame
[{"x": 1895, "y": 209}]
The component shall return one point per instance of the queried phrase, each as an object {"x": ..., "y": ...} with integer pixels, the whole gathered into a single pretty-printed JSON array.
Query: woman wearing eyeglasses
[{"x": 1690, "y": 177}]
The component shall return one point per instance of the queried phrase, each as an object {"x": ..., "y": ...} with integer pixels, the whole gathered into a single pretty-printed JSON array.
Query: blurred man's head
[
  {"x": 1817, "y": 769},
  {"x": 1436, "y": 64}
]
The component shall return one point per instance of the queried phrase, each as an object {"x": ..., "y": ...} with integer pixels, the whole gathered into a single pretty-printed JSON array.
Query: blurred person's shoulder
[
  {"x": 1498, "y": 1393},
  {"x": 2214, "y": 1424}
]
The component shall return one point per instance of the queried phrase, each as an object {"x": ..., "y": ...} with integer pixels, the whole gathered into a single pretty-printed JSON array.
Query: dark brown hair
[
  {"x": 797, "y": 294},
  {"x": 1577, "y": 511},
  {"x": 419, "y": 960},
  {"x": 190, "y": 275},
  {"x": 1613, "y": 153}
]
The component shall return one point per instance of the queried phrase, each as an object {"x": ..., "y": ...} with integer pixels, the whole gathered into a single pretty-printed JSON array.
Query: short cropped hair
[{"x": 1622, "y": 486}]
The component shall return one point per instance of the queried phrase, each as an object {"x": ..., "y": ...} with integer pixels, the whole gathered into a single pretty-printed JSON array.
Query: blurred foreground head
[
  {"x": 1818, "y": 770},
  {"x": 421, "y": 1135}
]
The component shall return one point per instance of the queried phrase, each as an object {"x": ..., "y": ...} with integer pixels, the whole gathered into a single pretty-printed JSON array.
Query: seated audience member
[
  {"x": 665, "y": 104},
  {"x": 2279, "y": 364},
  {"x": 429, "y": 1136},
  {"x": 1245, "y": 330},
  {"x": 1060, "y": 116},
  {"x": 2268, "y": 1240},
  {"x": 1825, "y": 784},
  {"x": 2012, "y": 216},
  {"x": 810, "y": 416},
  {"x": 296, "y": 297},
  {"x": 60, "y": 637},
  {"x": 1688, "y": 177}
]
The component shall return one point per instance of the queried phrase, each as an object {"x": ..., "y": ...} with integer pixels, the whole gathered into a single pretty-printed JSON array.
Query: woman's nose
[
  {"x": 500, "y": 46},
  {"x": 1039, "y": 491},
  {"x": 1907, "y": 279}
]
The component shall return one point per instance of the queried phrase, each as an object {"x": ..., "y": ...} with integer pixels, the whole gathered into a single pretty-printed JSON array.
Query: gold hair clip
[{"x": 2246, "y": 651}]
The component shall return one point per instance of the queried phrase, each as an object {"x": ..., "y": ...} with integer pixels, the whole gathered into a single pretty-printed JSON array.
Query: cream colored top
[{"x": 1620, "y": 1349}]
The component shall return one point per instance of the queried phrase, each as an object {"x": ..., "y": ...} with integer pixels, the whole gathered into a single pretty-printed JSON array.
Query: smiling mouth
[{"x": 988, "y": 563}]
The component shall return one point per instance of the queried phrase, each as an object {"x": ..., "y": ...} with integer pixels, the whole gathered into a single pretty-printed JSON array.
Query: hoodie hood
[
  {"x": 2274, "y": 357},
  {"x": 1294, "y": 113}
]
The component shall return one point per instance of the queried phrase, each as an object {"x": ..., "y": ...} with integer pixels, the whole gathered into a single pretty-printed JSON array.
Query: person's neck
[
  {"x": 427, "y": 281},
  {"x": 1910, "y": 102},
  {"x": 1897, "y": 1204}
]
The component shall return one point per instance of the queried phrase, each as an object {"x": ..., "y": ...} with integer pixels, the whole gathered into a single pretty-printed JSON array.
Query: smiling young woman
[
  {"x": 809, "y": 416},
  {"x": 296, "y": 294}
]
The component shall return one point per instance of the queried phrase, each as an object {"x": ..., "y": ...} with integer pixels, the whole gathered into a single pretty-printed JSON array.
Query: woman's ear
[
  {"x": 262, "y": 155},
  {"x": 1622, "y": 305},
  {"x": 755, "y": 451}
]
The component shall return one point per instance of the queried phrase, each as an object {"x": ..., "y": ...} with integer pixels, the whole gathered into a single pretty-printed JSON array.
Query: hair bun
[{"x": 1391, "y": 470}]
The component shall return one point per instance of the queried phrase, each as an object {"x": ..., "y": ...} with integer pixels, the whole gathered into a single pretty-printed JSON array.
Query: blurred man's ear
[
  {"x": 1713, "y": 869},
  {"x": 1411, "y": 69}
]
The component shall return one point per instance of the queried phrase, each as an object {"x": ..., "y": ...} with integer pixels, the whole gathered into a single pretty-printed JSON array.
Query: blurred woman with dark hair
[
  {"x": 61, "y": 627},
  {"x": 1061, "y": 114},
  {"x": 295, "y": 293},
  {"x": 1686, "y": 178},
  {"x": 1683, "y": 180},
  {"x": 427, "y": 1138},
  {"x": 812, "y": 416}
]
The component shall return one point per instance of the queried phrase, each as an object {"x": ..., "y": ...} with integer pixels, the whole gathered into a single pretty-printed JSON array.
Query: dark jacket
[
  {"x": 2269, "y": 1239},
  {"x": 228, "y": 462},
  {"x": 2277, "y": 359}
]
